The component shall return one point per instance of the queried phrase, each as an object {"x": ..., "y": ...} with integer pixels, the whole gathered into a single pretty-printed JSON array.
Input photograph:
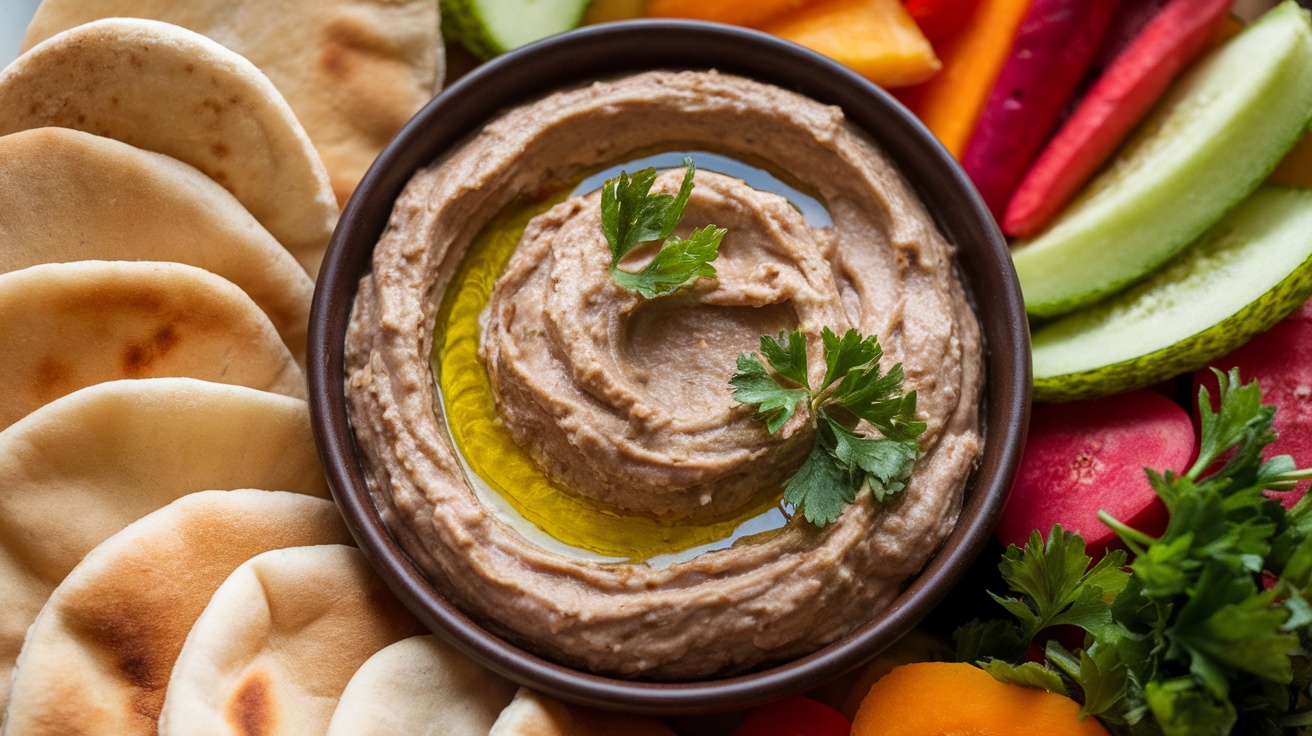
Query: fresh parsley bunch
[
  {"x": 1208, "y": 633},
  {"x": 631, "y": 216},
  {"x": 843, "y": 459}
]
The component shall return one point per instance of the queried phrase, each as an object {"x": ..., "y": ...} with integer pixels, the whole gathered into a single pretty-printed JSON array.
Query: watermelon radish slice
[
  {"x": 1089, "y": 456},
  {"x": 1052, "y": 51},
  {"x": 1116, "y": 103},
  {"x": 1280, "y": 359},
  {"x": 1218, "y": 133}
]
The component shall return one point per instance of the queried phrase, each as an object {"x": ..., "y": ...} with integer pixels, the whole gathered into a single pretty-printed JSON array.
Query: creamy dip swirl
[{"x": 627, "y": 401}]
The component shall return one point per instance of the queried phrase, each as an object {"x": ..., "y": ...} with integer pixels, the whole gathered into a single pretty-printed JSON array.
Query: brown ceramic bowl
[{"x": 634, "y": 46}]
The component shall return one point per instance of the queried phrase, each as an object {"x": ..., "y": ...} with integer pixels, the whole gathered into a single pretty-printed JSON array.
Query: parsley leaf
[
  {"x": 845, "y": 457},
  {"x": 631, "y": 216},
  {"x": 1211, "y": 630}
]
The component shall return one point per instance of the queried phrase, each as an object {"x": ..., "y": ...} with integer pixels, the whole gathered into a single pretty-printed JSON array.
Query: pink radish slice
[
  {"x": 1087, "y": 456},
  {"x": 1280, "y": 359},
  {"x": 1053, "y": 48}
]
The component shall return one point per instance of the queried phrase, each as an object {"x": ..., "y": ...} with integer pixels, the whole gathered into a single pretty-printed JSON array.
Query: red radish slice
[
  {"x": 1280, "y": 359},
  {"x": 1087, "y": 456},
  {"x": 1113, "y": 106}
]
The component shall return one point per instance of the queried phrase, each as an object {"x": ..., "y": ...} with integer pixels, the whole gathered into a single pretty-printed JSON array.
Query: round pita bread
[
  {"x": 98, "y": 657},
  {"x": 534, "y": 714},
  {"x": 166, "y": 89},
  {"x": 354, "y": 71},
  {"x": 81, "y": 468},
  {"x": 278, "y": 642},
  {"x": 70, "y": 196},
  {"x": 420, "y": 686},
  {"x": 72, "y": 325}
]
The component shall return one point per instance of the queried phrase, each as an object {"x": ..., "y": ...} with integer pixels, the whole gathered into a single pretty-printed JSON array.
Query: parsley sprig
[
  {"x": 1209, "y": 631},
  {"x": 843, "y": 459},
  {"x": 632, "y": 216}
]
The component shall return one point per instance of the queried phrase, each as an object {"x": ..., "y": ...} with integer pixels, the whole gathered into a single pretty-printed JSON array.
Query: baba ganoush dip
[{"x": 626, "y": 401}]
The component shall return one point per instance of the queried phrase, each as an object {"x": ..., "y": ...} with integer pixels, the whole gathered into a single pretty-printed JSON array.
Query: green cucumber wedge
[
  {"x": 491, "y": 27},
  {"x": 1243, "y": 276},
  {"x": 1216, "y": 135}
]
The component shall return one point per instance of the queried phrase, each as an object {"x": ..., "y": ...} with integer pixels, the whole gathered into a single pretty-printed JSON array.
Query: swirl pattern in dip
[{"x": 627, "y": 401}]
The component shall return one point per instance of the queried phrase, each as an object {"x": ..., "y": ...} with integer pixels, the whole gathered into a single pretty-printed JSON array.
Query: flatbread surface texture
[
  {"x": 354, "y": 71},
  {"x": 72, "y": 325},
  {"x": 420, "y": 686},
  {"x": 81, "y": 468},
  {"x": 70, "y": 196},
  {"x": 278, "y": 642},
  {"x": 98, "y": 657},
  {"x": 166, "y": 89}
]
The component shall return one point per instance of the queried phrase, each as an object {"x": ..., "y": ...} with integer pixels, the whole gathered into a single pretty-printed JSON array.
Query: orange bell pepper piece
[
  {"x": 876, "y": 38},
  {"x": 735, "y": 12}
]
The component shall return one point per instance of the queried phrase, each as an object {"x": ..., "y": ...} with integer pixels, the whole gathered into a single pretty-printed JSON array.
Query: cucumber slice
[
  {"x": 1222, "y": 128},
  {"x": 491, "y": 27},
  {"x": 1243, "y": 276}
]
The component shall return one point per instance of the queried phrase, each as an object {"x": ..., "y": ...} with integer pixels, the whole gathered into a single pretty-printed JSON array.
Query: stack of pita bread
[{"x": 163, "y": 210}]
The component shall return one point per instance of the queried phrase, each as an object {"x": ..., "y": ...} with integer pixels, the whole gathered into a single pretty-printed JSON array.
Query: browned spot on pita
[
  {"x": 135, "y": 60},
  {"x": 52, "y": 379},
  {"x": 219, "y": 149},
  {"x": 139, "y": 357},
  {"x": 191, "y": 68},
  {"x": 132, "y": 644},
  {"x": 250, "y": 711},
  {"x": 344, "y": 38}
]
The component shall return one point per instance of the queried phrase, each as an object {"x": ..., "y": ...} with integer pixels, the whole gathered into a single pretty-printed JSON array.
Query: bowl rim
[{"x": 571, "y": 58}]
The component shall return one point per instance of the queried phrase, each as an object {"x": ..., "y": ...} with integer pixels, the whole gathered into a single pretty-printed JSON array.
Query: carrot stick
[{"x": 951, "y": 102}]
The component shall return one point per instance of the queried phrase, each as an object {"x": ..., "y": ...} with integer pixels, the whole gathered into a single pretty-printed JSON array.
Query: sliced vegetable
[
  {"x": 1220, "y": 131},
  {"x": 1051, "y": 54},
  {"x": 1117, "y": 102},
  {"x": 795, "y": 716},
  {"x": 876, "y": 38},
  {"x": 606, "y": 11},
  {"x": 941, "y": 19},
  {"x": 938, "y": 698},
  {"x": 1296, "y": 168},
  {"x": 1280, "y": 360},
  {"x": 1244, "y": 275},
  {"x": 491, "y": 27},
  {"x": 916, "y": 646},
  {"x": 737, "y": 12},
  {"x": 950, "y": 103},
  {"x": 1087, "y": 456}
]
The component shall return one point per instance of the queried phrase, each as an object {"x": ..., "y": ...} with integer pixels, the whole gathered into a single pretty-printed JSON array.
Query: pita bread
[
  {"x": 72, "y": 325},
  {"x": 354, "y": 71},
  {"x": 533, "y": 714},
  {"x": 166, "y": 89},
  {"x": 98, "y": 657},
  {"x": 420, "y": 686},
  {"x": 70, "y": 196},
  {"x": 81, "y": 468},
  {"x": 278, "y": 642}
]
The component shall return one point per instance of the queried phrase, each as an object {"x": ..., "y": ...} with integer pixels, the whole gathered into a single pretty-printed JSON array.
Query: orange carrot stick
[{"x": 951, "y": 102}]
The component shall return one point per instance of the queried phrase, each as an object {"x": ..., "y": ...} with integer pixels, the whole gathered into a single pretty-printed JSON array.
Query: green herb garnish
[
  {"x": 631, "y": 216},
  {"x": 843, "y": 460},
  {"x": 1209, "y": 631}
]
